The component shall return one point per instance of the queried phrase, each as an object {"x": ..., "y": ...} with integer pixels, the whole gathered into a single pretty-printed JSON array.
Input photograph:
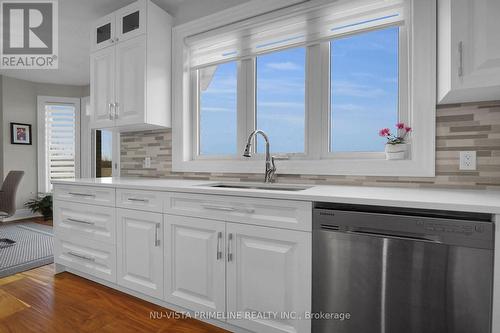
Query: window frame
[
  {"x": 416, "y": 50},
  {"x": 44, "y": 184}
]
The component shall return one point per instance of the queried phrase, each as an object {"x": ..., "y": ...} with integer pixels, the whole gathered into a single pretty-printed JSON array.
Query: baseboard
[{"x": 21, "y": 214}]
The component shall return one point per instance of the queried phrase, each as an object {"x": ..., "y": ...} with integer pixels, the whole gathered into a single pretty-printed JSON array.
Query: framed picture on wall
[{"x": 20, "y": 134}]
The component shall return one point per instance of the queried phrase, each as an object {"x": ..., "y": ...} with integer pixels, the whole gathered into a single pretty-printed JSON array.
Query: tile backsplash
[{"x": 458, "y": 127}]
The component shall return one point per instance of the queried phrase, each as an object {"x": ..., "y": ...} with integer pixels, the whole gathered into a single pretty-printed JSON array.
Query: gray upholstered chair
[{"x": 8, "y": 193}]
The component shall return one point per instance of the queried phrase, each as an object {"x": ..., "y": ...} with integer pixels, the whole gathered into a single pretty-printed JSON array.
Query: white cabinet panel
[
  {"x": 266, "y": 212},
  {"x": 104, "y": 196},
  {"x": 141, "y": 200},
  {"x": 88, "y": 221},
  {"x": 94, "y": 258},
  {"x": 130, "y": 81},
  {"x": 131, "y": 20},
  {"x": 195, "y": 265},
  {"x": 269, "y": 270},
  {"x": 140, "y": 251},
  {"x": 102, "y": 87},
  {"x": 468, "y": 50},
  {"x": 103, "y": 32}
]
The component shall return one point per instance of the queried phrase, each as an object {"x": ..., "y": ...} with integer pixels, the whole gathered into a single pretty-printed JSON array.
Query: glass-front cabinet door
[
  {"x": 130, "y": 21},
  {"x": 103, "y": 32}
]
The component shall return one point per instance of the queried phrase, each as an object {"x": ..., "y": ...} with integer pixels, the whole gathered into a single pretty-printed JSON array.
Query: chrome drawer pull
[
  {"x": 221, "y": 208},
  {"x": 69, "y": 219},
  {"x": 81, "y": 256},
  {"x": 157, "y": 236},
  {"x": 219, "y": 250},
  {"x": 138, "y": 200},
  {"x": 81, "y": 194},
  {"x": 228, "y": 209},
  {"x": 229, "y": 247}
]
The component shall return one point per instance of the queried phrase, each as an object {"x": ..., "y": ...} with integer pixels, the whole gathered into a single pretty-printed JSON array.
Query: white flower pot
[{"x": 396, "y": 152}]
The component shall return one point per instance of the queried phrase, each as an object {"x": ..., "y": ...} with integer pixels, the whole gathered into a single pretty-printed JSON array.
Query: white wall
[
  {"x": 19, "y": 104},
  {"x": 189, "y": 10}
]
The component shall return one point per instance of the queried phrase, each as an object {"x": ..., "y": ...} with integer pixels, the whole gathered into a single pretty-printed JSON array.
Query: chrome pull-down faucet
[{"x": 270, "y": 166}]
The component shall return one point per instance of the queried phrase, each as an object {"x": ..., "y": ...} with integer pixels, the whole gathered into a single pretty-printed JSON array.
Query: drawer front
[
  {"x": 140, "y": 200},
  {"x": 88, "y": 221},
  {"x": 296, "y": 215},
  {"x": 103, "y": 196},
  {"x": 94, "y": 258}
]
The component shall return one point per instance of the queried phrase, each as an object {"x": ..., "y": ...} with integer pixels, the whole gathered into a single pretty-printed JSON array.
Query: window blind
[
  {"x": 272, "y": 32},
  {"x": 60, "y": 131}
]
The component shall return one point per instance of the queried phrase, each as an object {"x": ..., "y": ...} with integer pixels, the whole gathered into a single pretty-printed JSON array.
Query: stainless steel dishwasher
[{"x": 401, "y": 270}]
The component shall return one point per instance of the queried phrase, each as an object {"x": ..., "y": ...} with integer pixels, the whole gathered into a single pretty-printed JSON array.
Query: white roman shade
[
  {"x": 61, "y": 138},
  {"x": 271, "y": 32}
]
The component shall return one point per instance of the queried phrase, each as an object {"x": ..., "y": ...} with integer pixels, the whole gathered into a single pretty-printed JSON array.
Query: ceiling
[{"x": 74, "y": 35}]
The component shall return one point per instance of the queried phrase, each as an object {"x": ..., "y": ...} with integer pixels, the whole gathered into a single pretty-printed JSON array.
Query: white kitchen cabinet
[
  {"x": 102, "y": 87},
  {"x": 125, "y": 23},
  {"x": 130, "y": 72},
  {"x": 103, "y": 32},
  {"x": 195, "y": 265},
  {"x": 130, "y": 20},
  {"x": 468, "y": 51},
  {"x": 269, "y": 270},
  {"x": 130, "y": 81},
  {"x": 140, "y": 251}
]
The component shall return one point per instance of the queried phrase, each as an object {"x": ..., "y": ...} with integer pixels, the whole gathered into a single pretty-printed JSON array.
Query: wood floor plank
[{"x": 37, "y": 301}]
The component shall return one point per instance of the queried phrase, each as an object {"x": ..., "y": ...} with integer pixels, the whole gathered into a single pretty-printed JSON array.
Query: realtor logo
[{"x": 29, "y": 34}]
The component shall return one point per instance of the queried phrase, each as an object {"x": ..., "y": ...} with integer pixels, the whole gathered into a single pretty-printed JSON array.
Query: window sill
[{"x": 333, "y": 166}]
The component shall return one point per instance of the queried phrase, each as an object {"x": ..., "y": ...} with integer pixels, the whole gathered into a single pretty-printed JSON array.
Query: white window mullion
[
  {"x": 314, "y": 102},
  {"x": 246, "y": 101}
]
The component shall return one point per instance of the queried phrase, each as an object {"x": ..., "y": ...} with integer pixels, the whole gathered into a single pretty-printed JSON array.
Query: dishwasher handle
[
  {"x": 382, "y": 234},
  {"x": 396, "y": 236}
]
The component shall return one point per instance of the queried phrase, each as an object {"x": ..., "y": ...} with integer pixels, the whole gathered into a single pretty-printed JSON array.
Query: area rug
[{"x": 33, "y": 247}]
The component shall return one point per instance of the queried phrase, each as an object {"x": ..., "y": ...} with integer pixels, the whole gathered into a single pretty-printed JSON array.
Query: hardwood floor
[{"x": 37, "y": 301}]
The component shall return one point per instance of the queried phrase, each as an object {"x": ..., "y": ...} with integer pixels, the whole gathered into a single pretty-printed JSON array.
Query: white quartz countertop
[{"x": 482, "y": 201}]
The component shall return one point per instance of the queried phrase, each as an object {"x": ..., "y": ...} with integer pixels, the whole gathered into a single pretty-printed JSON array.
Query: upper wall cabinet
[
  {"x": 468, "y": 51},
  {"x": 130, "y": 68}
]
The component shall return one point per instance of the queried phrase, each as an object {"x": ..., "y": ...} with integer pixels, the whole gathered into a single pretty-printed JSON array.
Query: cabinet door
[
  {"x": 478, "y": 26},
  {"x": 103, "y": 32},
  {"x": 140, "y": 251},
  {"x": 269, "y": 270},
  {"x": 102, "y": 87},
  {"x": 130, "y": 81},
  {"x": 195, "y": 266},
  {"x": 131, "y": 21},
  {"x": 468, "y": 51}
]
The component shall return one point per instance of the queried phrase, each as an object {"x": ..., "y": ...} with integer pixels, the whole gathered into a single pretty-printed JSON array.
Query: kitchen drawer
[
  {"x": 103, "y": 196},
  {"x": 276, "y": 213},
  {"x": 140, "y": 200},
  {"x": 91, "y": 257},
  {"x": 88, "y": 221}
]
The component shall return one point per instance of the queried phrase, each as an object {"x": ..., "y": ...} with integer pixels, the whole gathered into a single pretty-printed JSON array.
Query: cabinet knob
[{"x": 117, "y": 39}]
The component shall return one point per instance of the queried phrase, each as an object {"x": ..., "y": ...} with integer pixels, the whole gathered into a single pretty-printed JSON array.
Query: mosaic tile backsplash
[{"x": 458, "y": 127}]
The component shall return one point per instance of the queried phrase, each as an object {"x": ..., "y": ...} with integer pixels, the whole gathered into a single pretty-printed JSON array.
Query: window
[
  {"x": 319, "y": 80},
  {"x": 58, "y": 137},
  {"x": 217, "y": 109},
  {"x": 280, "y": 106},
  {"x": 364, "y": 89},
  {"x": 103, "y": 153}
]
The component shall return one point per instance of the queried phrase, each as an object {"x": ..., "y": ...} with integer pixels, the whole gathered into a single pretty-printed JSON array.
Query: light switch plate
[
  {"x": 468, "y": 160},
  {"x": 147, "y": 162}
]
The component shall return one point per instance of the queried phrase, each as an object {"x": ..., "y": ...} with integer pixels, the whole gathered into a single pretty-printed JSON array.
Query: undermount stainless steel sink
[{"x": 254, "y": 186}]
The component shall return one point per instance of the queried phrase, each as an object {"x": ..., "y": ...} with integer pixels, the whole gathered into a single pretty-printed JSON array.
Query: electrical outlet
[
  {"x": 147, "y": 162},
  {"x": 468, "y": 160}
]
